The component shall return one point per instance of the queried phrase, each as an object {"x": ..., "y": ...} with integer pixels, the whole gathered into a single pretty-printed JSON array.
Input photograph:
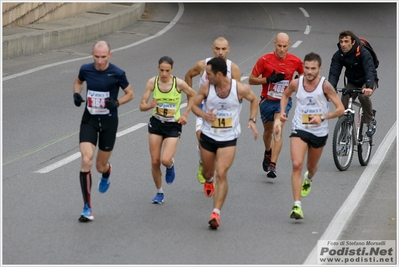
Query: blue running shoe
[
  {"x": 104, "y": 183},
  {"x": 158, "y": 199},
  {"x": 170, "y": 174},
  {"x": 86, "y": 215}
]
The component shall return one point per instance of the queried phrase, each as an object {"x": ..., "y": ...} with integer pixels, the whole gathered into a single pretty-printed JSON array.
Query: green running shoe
[
  {"x": 306, "y": 185},
  {"x": 200, "y": 176},
  {"x": 296, "y": 212}
]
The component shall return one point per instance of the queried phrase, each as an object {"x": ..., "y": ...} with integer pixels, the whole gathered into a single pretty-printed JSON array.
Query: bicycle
[{"x": 350, "y": 134}]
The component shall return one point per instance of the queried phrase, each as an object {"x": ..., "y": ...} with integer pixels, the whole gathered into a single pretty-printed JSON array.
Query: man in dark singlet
[{"x": 100, "y": 118}]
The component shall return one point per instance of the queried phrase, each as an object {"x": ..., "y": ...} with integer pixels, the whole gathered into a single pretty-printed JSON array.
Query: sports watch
[{"x": 253, "y": 119}]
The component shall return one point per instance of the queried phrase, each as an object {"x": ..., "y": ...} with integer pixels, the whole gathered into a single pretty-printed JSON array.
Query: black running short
[
  {"x": 212, "y": 145},
  {"x": 310, "y": 139},
  {"x": 93, "y": 128},
  {"x": 165, "y": 129}
]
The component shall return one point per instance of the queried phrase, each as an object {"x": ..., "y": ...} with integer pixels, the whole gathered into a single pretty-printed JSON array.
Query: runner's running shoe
[
  {"x": 104, "y": 183},
  {"x": 87, "y": 214},
  {"x": 209, "y": 188},
  {"x": 170, "y": 174},
  {"x": 296, "y": 212},
  {"x": 158, "y": 199},
  {"x": 214, "y": 220},
  {"x": 266, "y": 161},
  {"x": 306, "y": 185},
  {"x": 200, "y": 176},
  {"x": 271, "y": 172}
]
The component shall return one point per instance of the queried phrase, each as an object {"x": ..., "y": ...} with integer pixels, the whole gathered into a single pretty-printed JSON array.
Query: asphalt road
[{"x": 41, "y": 192}]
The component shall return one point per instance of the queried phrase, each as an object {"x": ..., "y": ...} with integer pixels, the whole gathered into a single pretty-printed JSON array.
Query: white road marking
[
  {"x": 167, "y": 28},
  {"x": 119, "y": 134},
  {"x": 307, "y": 30},
  {"x": 77, "y": 154},
  {"x": 59, "y": 163},
  {"x": 305, "y": 13},
  {"x": 131, "y": 129},
  {"x": 297, "y": 43},
  {"x": 340, "y": 219}
]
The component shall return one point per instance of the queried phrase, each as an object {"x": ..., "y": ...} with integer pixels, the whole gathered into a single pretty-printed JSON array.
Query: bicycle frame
[
  {"x": 349, "y": 135},
  {"x": 350, "y": 112}
]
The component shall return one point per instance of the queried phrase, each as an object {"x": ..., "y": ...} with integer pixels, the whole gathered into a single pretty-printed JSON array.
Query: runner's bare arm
[
  {"x": 332, "y": 95},
  {"x": 292, "y": 87},
  {"x": 235, "y": 72},
  {"x": 245, "y": 92},
  {"x": 184, "y": 87},
  {"x": 196, "y": 70},
  {"x": 78, "y": 86},
  {"x": 129, "y": 95},
  {"x": 144, "y": 106},
  {"x": 201, "y": 95}
]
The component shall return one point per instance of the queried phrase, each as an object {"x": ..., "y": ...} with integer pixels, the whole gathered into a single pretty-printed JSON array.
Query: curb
[{"x": 87, "y": 27}]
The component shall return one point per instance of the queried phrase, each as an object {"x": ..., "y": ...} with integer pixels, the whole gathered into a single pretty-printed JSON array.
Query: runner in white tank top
[
  {"x": 221, "y": 128},
  {"x": 309, "y": 125},
  {"x": 313, "y": 103},
  {"x": 220, "y": 49},
  {"x": 226, "y": 127}
]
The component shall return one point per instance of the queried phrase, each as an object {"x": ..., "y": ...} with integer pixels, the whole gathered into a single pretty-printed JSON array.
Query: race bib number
[
  {"x": 222, "y": 123},
  {"x": 223, "y": 120},
  {"x": 306, "y": 120},
  {"x": 165, "y": 112},
  {"x": 277, "y": 89},
  {"x": 96, "y": 102}
]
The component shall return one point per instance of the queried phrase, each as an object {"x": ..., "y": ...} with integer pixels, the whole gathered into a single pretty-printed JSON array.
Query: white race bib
[
  {"x": 96, "y": 102},
  {"x": 277, "y": 89},
  {"x": 165, "y": 112}
]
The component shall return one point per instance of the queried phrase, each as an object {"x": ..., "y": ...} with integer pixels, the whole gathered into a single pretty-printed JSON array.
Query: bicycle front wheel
[
  {"x": 342, "y": 143},
  {"x": 364, "y": 146}
]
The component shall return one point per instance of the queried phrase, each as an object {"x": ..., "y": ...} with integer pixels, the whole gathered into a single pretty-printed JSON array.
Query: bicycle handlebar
[{"x": 346, "y": 91}]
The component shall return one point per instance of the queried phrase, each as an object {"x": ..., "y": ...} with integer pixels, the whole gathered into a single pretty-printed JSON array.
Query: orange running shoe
[
  {"x": 209, "y": 188},
  {"x": 214, "y": 221}
]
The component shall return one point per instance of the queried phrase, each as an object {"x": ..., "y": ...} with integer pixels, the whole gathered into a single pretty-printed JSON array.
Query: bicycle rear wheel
[
  {"x": 342, "y": 143},
  {"x": 364, "y": 146}
]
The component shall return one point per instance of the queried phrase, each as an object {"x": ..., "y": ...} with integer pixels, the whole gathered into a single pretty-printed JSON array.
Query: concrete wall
[
  {"x": 25, "y": 13},
  {"x": 58, "y": 33}
]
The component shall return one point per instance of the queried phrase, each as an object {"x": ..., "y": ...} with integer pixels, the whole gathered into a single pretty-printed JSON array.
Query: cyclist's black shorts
[
  {"x": 212, "y": 145},
  {"x": 310, "y": 139},
  {"x": 165, "y": 129},
  {"x": 93, "y": 128}
]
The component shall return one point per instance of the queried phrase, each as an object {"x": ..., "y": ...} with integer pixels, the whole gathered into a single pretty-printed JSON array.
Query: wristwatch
[
  {"x": 253, "y": 119},
  {"x": 322, "y": 117}
]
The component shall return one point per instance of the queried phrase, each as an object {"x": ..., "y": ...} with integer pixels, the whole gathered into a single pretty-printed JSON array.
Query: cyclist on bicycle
[{"x": 359, "y": 72}]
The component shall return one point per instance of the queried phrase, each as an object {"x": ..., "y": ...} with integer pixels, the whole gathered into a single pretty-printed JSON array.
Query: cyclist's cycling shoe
[{"x": 371, "y": 128}]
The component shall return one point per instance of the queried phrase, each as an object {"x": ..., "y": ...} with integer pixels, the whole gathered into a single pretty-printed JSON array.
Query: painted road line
[
  {"x": 131, "y": 129},
  {"x": 168, "y": 27},
  {"x": 59, "y": 163},
  {"x": 305, "y": 13},
  {"x": 297, "y": 43},
  {"x": 77, "y": 155},
  {"x": 340, "y": 219}
]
